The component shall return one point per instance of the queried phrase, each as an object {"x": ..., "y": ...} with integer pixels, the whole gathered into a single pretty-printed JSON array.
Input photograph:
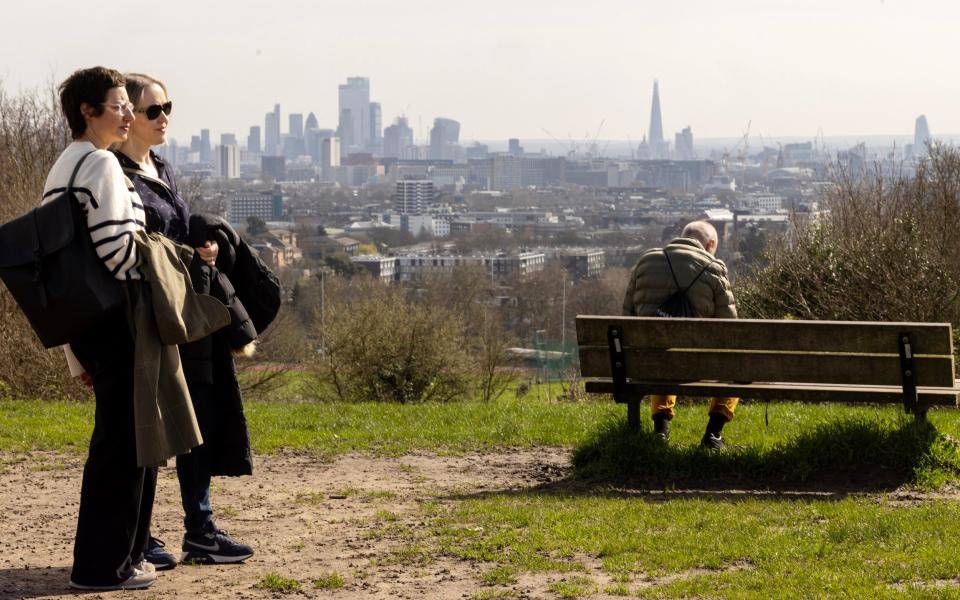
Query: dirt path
[{"x": 306, "y": 519}]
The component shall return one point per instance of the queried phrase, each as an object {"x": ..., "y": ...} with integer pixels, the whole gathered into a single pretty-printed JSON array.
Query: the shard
[{"x": 658, "y": 149}]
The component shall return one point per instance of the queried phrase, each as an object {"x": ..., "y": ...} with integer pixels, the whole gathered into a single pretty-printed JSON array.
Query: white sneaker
[
  {"x": 146, "y": 566},
  {"x": 138, "y": 580}
]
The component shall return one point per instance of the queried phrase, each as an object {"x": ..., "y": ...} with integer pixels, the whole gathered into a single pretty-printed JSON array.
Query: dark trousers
[
  {"x": 193, "y": 469},
  {"x": 116, "y": 496}
]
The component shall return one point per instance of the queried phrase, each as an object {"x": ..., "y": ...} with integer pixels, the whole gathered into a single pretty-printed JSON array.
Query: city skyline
[{"x": 793, "y": 70}]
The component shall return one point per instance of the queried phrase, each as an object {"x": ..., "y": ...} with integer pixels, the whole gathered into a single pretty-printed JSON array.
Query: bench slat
[
  {"x": 783, "y": 391},
  {"x": 696, "y": 365},
  {"x": 754, "y": 334}
]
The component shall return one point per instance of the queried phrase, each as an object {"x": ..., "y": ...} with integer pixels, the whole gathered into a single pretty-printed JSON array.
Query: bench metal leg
[
  {"x": 908, "y": 376},
  {"x": 633, "y": 415}
]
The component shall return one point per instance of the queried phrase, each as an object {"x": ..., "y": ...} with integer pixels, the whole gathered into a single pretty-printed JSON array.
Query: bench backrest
[{"x": 835, "y": 352}]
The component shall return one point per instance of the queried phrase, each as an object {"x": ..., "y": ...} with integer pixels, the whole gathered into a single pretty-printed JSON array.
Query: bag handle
[{"x": 76, "y": 169}]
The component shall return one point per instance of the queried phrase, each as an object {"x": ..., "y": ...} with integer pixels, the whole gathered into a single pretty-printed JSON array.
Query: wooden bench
[{"x": 809, "y": 361}]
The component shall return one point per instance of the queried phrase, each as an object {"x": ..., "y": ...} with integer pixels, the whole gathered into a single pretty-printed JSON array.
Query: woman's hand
[
  {"x": 86, "y": 380},
  {"x": 208, "y": 253}
]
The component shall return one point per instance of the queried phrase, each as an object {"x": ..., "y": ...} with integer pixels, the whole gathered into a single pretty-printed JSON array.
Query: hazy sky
[{"x": 510, "y": 68}]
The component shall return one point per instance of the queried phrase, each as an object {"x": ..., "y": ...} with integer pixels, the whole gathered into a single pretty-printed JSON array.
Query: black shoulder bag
[{"x": 49, "y": 264}]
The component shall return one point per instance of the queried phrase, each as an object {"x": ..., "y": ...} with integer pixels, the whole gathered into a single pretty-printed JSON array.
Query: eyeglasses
[
  {"x": 120, "y": 108},
  {"x": 153, "y": 111}
]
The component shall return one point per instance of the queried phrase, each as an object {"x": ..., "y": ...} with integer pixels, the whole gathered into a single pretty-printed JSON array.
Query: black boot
[
  {"x": 711, "y": 438},
  {"x": 661, "y": 426}
]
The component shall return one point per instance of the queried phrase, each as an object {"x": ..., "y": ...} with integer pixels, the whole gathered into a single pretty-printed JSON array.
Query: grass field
[{"x": 797, "y": 507}]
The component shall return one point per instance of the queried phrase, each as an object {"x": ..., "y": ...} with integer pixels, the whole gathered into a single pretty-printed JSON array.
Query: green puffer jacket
[{"x": 651, "y": 283}]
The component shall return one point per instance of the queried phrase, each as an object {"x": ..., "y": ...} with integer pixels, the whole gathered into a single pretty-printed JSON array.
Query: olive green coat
[{"x": 651, "y": 283}]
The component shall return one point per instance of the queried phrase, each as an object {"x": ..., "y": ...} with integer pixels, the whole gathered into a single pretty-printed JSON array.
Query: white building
[
  {"x": 227, "y": 162},
  {"x": 413, "y": 195}
]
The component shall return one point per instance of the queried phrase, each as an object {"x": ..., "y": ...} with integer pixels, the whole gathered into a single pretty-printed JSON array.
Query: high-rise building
[
  {"x": 206, "y": 152},
  {"x": 683, "y": 145},
  {"x": 658, "y": 148},
  {"x": 271, "y": 132},
  {"x": 375, "y": 143},
  {"x": 514, "y": 147},
  {"x": 227, "y": 162},
  {"x": 296, "y": 124},
  {"x": 444, "y": 137},
  {"x": 413, "y": 195},
  {"x": 329, "y": 153},
  {"x": 354, "y": 126},
  {"x": 253, "y": 140},
  {"x": 314, "y": 142},
  {"x": 345, "y": 129},
  {"x": 397, "y": 138},
  {"x": 921, "y": 136},
  {"x": 227, "y": 138}
]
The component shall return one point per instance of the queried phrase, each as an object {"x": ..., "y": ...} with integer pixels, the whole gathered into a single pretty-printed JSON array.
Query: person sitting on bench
[{"x": 687, "y": 272}]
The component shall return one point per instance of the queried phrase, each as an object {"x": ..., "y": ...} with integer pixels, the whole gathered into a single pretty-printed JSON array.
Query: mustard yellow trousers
[{"x": 665, "y": 404}]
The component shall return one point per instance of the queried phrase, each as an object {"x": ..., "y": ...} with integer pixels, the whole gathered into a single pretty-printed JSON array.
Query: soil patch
[{"x": 308, "y": 520}]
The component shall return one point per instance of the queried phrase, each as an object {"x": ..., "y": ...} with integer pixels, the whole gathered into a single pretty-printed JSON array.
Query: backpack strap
[{"x": 677, "y": 283}]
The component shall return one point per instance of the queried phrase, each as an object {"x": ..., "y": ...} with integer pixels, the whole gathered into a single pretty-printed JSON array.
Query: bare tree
[
  {"x": 378, "y": 345},
  {"x": 887, "y": 250}
]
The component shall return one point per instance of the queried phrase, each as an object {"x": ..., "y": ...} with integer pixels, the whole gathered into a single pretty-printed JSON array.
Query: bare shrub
[
  {"x": 32, "y": 135},
  {"x": 282, "y": 350},
  {"x": 887, "y": 251},
  {"x": 379, "y": 345}
]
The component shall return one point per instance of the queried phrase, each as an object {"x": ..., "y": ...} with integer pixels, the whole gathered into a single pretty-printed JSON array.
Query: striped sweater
[{"x": 112, "y": 207}]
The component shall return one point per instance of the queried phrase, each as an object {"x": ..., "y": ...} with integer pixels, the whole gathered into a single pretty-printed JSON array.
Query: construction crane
[
  {"x": 566, "y": 150},
  {"x": 743, "y": 144}
]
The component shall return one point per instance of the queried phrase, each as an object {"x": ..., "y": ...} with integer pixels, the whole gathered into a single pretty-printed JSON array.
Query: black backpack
[{"x": 677, "y": 304}]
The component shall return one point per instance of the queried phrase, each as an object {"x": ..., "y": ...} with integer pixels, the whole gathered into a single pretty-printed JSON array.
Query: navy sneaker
[
  {"x": 214, "y": 547},
  {"x": 157, "y": 555}
]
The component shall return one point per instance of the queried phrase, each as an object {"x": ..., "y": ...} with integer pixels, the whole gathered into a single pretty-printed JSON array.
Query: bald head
[{"x": 704, "y": 233}]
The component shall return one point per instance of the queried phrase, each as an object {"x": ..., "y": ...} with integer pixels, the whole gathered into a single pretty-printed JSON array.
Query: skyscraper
[
  {"x": 227, "y": 162},
  {"x": 253, "y": 140},
  {"x": 296, "y": 124},
  {"x": 397, "y": 138},
  {"x": 921, "y": 136},
  {"x": 345, "y": 130},
  {"x": 227, "y": 139},
  {"x": 206, "y": 152},
  {"x": 354, "y": 123},
  {"x": 444, "y": 137},
  {"x": 375, "y": 143},
  {"x": 314, "y": 142},
  {"x": 311, "y": 123},
  {"x": 330, "y": 152},
  {"x": 683, "y": 145},
  {"x": 271, "y": 132},
  {"x": 655, "y": 139}
]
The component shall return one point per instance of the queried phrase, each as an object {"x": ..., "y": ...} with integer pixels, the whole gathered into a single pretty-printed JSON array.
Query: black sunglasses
[{"x": 153, "y": 111}]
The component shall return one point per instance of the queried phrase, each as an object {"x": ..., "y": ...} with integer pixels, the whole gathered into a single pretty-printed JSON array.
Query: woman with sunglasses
[
  {"x": 168, "y": 214},
  {"x": 116, "y": 496}
]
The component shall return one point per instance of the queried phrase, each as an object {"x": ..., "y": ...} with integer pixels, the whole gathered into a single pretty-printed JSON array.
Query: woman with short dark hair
[{"x": 116, "y": 498}]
